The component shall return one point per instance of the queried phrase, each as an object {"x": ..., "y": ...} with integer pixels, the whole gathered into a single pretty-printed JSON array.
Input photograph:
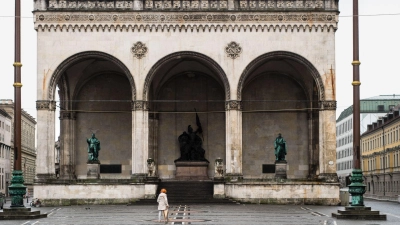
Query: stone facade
[
  {"x": 5, "y": 151},
  {"x": 380, "y": 150},
  {"x": 136, "y": 70},
  {"x": 28, "y": 143}
]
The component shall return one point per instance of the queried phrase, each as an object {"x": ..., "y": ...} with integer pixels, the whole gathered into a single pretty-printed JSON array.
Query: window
[{"x": 381, "y": 108}]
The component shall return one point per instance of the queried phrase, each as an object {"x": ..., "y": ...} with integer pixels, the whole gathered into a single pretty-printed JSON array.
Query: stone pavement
[{"x": 239, "y": 214}]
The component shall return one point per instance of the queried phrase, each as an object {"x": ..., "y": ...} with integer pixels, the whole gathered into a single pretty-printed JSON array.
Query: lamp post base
[{"x": 357, "y": 210}]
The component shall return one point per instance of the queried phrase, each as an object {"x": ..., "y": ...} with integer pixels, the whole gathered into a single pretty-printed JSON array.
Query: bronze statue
[
  {"x": 191, "y": 144},
  {"x": 280, "y": 148},
  {"x": 93, "y": 149}
]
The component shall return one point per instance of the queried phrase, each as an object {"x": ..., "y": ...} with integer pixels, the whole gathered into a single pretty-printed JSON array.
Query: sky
[{"x": 379, "y": 48}]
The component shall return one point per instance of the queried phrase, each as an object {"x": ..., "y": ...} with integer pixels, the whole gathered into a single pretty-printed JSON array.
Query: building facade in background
[
  {"x": 5, "y": 151},
  {"x": 28, "y": 143},
  {"x": 371, "y": 109},
  {"x": 134, "y": 72},
  {"x": 380, "y": 150}
]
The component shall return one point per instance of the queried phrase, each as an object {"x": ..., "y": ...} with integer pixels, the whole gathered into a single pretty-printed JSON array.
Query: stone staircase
[{"x": 188, "y": 192}]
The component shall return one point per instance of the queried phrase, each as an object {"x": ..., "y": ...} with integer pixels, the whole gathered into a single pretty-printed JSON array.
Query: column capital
[
  {"x": 327, "y": 105},
  {"x": 233, "y": 105},
  {"x": 45, "y": 105},
  {"x": 139, "y": 105},
  {"x": 67, "y": 115}
]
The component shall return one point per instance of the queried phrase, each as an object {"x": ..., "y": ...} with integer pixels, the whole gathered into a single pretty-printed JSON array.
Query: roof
[
  {"x": 376, "y": 104},
  {"x": 384, "y": 97},
  {"x": 347, "y": 112},
  {"x": 4, "y": 113}
]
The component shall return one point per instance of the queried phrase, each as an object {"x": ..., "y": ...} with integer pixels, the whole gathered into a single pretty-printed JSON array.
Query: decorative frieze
[
  {"x": 139, "y": 50},
  {"x": 328, "y": 105},
  {"x": 181, "y": 18},
  {"x": 46, "y": 105},
  {"x": 186, "y": 5},
  {"x": 233, "y": 50},
  {"x": 233, "y": 105}
]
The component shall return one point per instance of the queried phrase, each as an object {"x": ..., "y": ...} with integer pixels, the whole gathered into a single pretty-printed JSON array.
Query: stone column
[
  {"x": 140, "y": 139},
  {"x": 153, "y": 137},
  {"x": 45, "y": 158},
  {"x": 67, "y": 151},
  {"x": 327, "y": 141},
  {"x": 233, "y": 139}
]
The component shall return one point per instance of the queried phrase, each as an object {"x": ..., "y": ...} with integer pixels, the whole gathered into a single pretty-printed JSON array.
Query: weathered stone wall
[
  {"x": 111, "y": 120},
  {"x": 269, "y": 107},
  {"x": 83, "y": 194},
  {"x": 284, "y": 193}
]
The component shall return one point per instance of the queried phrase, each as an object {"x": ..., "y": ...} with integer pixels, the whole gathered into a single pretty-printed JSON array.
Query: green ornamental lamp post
[
  {"x": 356, "y": 188},
  {"x": 17, "y": 189}
]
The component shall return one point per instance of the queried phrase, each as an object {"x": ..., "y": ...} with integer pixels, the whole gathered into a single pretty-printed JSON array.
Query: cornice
[{"x": 193, "y": 21}]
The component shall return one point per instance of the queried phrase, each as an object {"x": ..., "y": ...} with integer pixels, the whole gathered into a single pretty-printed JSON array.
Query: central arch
[
  {"x": 175, "y": 87},
  {"x": 186, "y": 55}
]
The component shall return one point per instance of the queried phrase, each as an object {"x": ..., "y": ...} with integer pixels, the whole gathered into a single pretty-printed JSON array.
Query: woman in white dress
[{"x": 163, "y": 205}]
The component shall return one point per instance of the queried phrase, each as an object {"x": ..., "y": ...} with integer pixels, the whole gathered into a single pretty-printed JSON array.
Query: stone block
[
  {"x": 281, "y": 169},
  {"x": 93, "y": 171},
  {"x": 191, "y": 170}
]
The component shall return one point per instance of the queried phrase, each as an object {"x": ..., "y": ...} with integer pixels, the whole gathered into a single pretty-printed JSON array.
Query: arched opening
[
  {"x": 95, "y": 96},
  {"x": 280, "y": 92},
  {"x": 179, "y": 85}
]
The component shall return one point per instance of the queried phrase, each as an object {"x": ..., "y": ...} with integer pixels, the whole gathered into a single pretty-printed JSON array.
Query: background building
[
  {"x": 5, "y": 151},
  {"x": 28, "y": 142},
  {"x": 371, "y": 109},
  {"x": 380, "y": 150}
]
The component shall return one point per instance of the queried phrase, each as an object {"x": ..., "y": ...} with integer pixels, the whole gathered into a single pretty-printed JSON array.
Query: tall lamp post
[
  {"x": 357, "y": 210},
  {"x": 17, "y": 188}
]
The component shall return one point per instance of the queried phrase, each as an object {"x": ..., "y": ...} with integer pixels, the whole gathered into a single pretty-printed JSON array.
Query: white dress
[{"x": 162, "y": 201}]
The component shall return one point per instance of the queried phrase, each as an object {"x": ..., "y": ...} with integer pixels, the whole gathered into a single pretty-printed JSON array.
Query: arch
[
  {"x": 276, "y": 55},
  {"x": 83, "y": 56},
  {"x": 180, "y": 55}
]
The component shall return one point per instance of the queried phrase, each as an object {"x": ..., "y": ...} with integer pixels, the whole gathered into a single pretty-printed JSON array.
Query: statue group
[
  {"x": 280, "y": 148},
  {"x": 93, "y": 149},
  {"x": 190, "y": 144}
]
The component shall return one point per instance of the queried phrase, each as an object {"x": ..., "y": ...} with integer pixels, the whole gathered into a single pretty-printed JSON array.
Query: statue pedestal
[
  {"x": 93, "y": 171},
  {"x": 280, "y": 169},
  {"x": 191, "y": 170}
]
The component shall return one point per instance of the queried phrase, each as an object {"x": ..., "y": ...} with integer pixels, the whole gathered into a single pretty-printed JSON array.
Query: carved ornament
[
  {"x": 139, "y": 50},
  {"x": 46, "y": 105},
  {"x": 233, "y": 50},
  {"x": 328, "y": 105},
  {"x": 233, "y": 105},
  {"x": 139, "y": 105}
]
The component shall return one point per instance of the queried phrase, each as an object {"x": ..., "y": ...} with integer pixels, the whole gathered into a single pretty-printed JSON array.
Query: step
[{"x": 359, "y": 216}]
